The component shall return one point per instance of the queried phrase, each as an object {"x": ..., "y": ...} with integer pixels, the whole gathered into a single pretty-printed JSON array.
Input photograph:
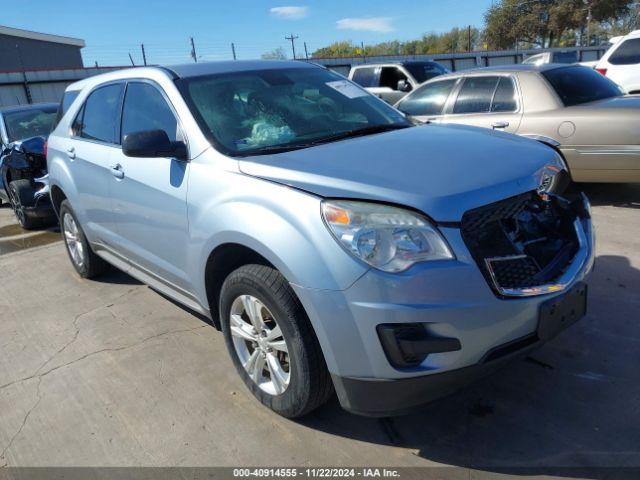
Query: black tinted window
[
  {"x": 365, "y": 77},
  {"x": 628, "y": 53},
  {"x": 475, "y": 95},
  {"x": 428, "y": 99},
  {"x": 146, "y": 109},
  {"x": 576, "y": 85},
  {"x": 504, "y": 99},
  {"x": 390, "y": 76},
  {"x": 423, "y": 72},
  {"x": 100, "y": 118}
]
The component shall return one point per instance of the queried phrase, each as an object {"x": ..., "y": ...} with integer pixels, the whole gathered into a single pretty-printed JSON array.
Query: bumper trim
[{"x": 384, "y": 398}]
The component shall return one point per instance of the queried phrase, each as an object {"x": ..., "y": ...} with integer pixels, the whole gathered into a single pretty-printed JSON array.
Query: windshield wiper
[{"x": 358, "y": 132}]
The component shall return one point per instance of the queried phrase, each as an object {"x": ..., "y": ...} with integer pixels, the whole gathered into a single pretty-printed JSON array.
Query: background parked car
[
  {"x": 392, "y": 81},
  {"x": 570, "y": 107},
  {"x": 23, "y": 166},
  {"x": 621, "y": 63},
  {"x": 551, "y": 57}
]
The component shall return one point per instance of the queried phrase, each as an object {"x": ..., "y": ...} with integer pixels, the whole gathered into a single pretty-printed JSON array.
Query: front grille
[{"x": 523, "y": 241}]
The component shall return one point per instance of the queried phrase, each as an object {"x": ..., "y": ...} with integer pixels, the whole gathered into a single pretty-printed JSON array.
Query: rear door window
[
  {"x": 504, "y": 98},
  {"x": 100, "y": 115},
  {"x": 145, "y": 108},
  {"x": 428, "y": 99},
  {"x": 476, "y": 94},
  {"x": 628, "y": 53},
  {"x": 366, "y": 77}
]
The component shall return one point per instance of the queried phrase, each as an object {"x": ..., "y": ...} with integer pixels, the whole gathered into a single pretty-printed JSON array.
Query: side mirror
[
  {"x": 403, "y": 86},
  {"x": 152, "y": 143}
]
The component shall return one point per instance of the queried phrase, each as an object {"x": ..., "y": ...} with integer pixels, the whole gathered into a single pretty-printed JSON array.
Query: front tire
[
  {"x": 272, "y": 343},
  {"x": 84, "y": 260}
]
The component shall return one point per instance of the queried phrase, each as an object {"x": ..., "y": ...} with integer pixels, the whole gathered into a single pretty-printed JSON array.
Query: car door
[
  {"x": 490, "y": 101},
  {"x": 388, "y": 84},
  {"x": 426, "y": 104},
  {"x": 88, "y": 153},
  {"x": 149, "y": 194}
]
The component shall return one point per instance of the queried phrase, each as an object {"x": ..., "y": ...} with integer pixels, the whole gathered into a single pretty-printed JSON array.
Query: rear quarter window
[
  {"x": 65, "y": 103},
  {"x": 628, "y": 53}
]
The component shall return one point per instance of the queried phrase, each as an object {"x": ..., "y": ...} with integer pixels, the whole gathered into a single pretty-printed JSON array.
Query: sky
[{"x": 114, "y": 28}]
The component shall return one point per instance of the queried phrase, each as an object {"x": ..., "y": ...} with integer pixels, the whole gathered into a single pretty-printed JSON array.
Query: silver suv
[{"x": 336, "y": 245}]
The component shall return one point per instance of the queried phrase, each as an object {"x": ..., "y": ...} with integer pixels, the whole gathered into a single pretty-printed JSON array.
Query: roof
[
  {"x": 31, "y": 106},
  {"x": 506, "y": 69},
  {"x": 43, "y": 37},
  {"x": 229, "y": 66},
  {"x": 396, "y": 62}
]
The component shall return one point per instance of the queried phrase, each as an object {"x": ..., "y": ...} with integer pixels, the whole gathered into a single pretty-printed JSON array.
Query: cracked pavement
[{"x": 109, "y": 373}]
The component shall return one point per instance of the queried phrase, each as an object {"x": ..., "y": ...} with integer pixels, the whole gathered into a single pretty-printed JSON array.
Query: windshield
[
  {"x": 425, "y": 71},
  {"x": 29, "y": 123},
  {"x": 577, "y": 85},
  {"x": 247, "y": 113}
]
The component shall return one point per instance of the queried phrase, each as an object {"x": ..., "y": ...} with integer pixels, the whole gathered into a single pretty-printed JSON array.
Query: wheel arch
[
  {"x": 57, "y": 197},
  {"x": 223, "y": 260}
]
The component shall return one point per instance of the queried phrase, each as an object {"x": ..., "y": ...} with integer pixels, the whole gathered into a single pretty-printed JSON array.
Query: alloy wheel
[
  {"x": 14, "y": 200},
  {"x": 260, "y": 345},
  {"x": 72, "y": 239}
]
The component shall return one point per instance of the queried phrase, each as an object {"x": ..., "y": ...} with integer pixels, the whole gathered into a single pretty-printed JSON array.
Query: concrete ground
[{"x": 109, "y": 373}]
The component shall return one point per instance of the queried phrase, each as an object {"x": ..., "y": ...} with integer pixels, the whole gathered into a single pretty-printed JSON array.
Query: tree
[
  {"x": 456, "y": 40},
  {"x": 548, "y": 23},
  {"x": 276, "y": 54}
]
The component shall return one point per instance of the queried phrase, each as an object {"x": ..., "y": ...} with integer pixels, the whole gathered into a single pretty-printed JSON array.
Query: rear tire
[
  {"x": 84, "y": 260},
  {"x": 21, "y": 194},
  {"x": 303, "y": 382}
]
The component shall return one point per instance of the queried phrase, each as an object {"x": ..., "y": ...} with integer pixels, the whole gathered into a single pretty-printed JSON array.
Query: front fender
[
  {"x": 282, "y": 224},
  {"x": 60, "y": 177}
]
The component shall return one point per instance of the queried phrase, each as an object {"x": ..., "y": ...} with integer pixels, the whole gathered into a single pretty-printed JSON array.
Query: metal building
[{"x": 22, "y": 50}]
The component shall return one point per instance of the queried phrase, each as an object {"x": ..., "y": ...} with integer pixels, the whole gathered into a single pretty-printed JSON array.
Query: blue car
[{"x": 338, "y": 246}]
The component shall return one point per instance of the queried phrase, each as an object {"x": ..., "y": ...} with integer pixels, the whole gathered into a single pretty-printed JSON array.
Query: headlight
[{"x": 388, "y": 238}]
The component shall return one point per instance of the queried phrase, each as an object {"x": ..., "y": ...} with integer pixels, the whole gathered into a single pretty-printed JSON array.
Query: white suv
[{"x": 621, "y": 63}]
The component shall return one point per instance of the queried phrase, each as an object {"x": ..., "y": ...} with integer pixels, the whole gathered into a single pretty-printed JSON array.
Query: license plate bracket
[{"x": 561, "y": 312}]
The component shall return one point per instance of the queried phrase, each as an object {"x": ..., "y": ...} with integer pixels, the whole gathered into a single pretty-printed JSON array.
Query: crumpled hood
[{"x": 440, "y": 170}]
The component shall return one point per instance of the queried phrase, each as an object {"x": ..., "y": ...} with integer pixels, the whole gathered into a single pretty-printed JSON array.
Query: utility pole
[
  {"x": 469, "y": 37},
  {"x": 131, "y": 58},
  {"x": 364, "y": 59},
  {"x": 306, "y": 53},
  {"x": 144, "y": 55},
  {"x": 233, "y": 50},
  {"x": 193, "y": 51},
  {"x": 293, "y": 44}
]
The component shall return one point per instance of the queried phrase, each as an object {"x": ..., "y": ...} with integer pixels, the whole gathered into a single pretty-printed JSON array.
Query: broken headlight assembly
[{"x": 388, "y": 238}]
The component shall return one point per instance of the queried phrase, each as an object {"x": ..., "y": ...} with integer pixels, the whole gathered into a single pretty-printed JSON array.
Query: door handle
[
  {"x": 116, "y": 171},
  {"x": 500, "y": 125},
  {"x": 71, "y": 153}
]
